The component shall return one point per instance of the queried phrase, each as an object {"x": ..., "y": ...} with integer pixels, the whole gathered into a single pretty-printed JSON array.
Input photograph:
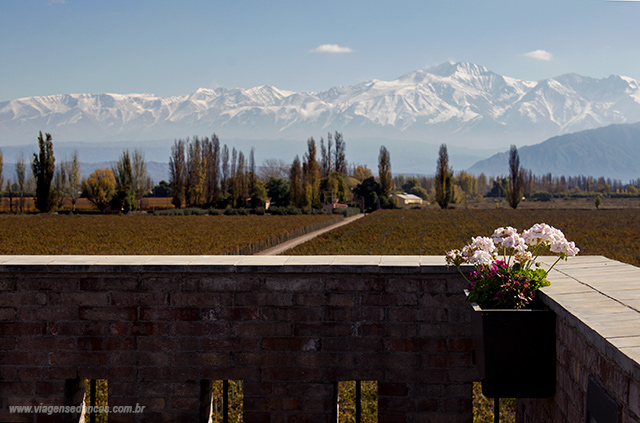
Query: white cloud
[
  {"x": 331, "y": 49},
  {"x": 540, "y": 55}
]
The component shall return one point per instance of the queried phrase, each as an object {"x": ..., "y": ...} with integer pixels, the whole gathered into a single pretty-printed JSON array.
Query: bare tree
[
  {"x": 60, "y": 184},
  {"x": 177, "y": 173},
  {"x": 224, "y": 185},
  {"x": 140, "y": 177},
  {"x": 273, "y": 168}
]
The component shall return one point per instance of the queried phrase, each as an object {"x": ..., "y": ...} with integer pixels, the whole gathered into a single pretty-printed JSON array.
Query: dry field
[
  {"x": 614, "y": 233},
  {"x": 142, "y": 233}
]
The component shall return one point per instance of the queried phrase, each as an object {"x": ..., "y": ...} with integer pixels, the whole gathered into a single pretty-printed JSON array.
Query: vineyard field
[
  {"x": 146, "y": 234},
  {"x": 612, "y": 233}
]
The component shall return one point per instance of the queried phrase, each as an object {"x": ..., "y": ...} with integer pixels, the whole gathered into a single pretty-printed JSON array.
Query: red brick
[
  {"x": 400, "y": 345},
  {"x": 354, "y": 314},
  {"x": 294, "y": 284},
  {"x": 138, "y": 328},
  {"x": 7, "y": 284},
  {"x": 47, "y": 343},
  {"x": 313, "y": 299},
  {"x": 352, "y": 344},
  {"x": 259, "y": 328},
  {"x": 223, "y": 284},
  {"x": 22, "y": 328},
  {"x": 7, "y": 343},
  {"x": 293, "y": 314},
  {"x": 170, "y": 313},
  {"x": 47, "y": 313},
  {"x": 200, "y": 299},
  {"x": 7, "y": 313},
  {"x": 230, "y": 344},
  {"x": 423, "y": 314},
  {"x": 104, "y": 283},
  {"x": 108, "y": 313},
  {"x": 292, "y": 374},
  {"x": 49, "y": 284},
  {"x": 79, "y": 328},
  {"x": 323, "y": 329},
  {"x": 77, "y": 358},
  {"x": 80, "y": 298},
  {"x": 291, "y": 344},
  {"x": 391, "y": 389},
  {"x": 139, "y": 299},
  {"x": 387, "y": 299},
  {"x": 121, "y": 343},
  {"x": 91, "y": 343},
  {"x": 326, "y": 359},
  {"x": 263, "y": 299},
  {"x": 23, "y": 298},
  {"x": 356, "y": 284},
  {"x": 200, "y": 329},
  {"x": 206, "y": 359}
]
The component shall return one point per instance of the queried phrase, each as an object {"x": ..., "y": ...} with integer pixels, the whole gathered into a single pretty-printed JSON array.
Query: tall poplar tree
[
  {"x": 444, "y": 176},
  {"x": 20, "y": 180},
  {"x": 311, "y": 174},
  {"x": 177, "y": 173},
  {"x": 384, "y": 172},
  {"x": 295, "y": 183},
  {"x": 43, "y": 167},
  {"x": 515, "y": 187}
]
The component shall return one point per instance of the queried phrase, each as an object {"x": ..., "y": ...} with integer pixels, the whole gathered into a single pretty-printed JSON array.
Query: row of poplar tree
[
  {"x": 204, "y": 173},
  {"x": 120, "y": 187}
]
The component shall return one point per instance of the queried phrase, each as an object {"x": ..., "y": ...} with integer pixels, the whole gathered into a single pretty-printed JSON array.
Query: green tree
[
  {"x": 515, "y": 187},
  {"x": 20, "y": 180},
  {"x": 43, "y": 167},
  {"x": 100, "y": 187},
  {"x": 295, "y": 183},
  {"x": 60, "y": 185},
  {"x": 1, "y": 177},
  {"x": 384, "y": 172},
  {"x": 369, "y": 190},
  {"x": 444, "y": 176},
  {"x": 311, "y": 175},
  {"x": 74, "y": 180},
  {"x": 124, "y": 199},
  {"x": 279, "y": 192}
]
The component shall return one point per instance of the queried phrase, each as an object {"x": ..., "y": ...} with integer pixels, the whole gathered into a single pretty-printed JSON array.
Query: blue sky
[{"x": 174, "y": 47}]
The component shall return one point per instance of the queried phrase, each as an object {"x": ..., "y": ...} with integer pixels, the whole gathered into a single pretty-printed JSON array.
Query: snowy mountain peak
[{"x": 462, "y": 103}]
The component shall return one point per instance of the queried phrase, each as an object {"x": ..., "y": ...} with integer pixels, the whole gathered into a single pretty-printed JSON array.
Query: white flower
[
  {"x": 480, "y": 257},
  {"x": 541, "y": 233},
  {"x": 564, "y": 248},
  {"x": 482, "y": 243}
]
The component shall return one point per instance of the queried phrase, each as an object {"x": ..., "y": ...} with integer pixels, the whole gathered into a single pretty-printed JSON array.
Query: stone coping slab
[
  {"x": 168, "y": 263},
  {"x": 601, "y": 298}
]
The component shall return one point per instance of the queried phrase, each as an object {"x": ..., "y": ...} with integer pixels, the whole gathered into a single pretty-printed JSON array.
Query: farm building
[{"x": 405, "y": 199}]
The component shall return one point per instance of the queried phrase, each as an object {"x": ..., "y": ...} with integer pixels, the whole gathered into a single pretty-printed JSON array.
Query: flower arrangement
[{"x": 510, "y": 281}]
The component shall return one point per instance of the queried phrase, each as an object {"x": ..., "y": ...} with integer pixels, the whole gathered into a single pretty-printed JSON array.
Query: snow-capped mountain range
[{"x": 459, "y": 103}]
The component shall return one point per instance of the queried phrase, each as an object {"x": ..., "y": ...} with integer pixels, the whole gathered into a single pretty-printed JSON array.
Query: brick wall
[{"x": 159, "y": 331}]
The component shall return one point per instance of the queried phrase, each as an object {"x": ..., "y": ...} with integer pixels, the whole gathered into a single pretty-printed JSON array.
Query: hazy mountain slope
[
  {"x": 458, "y": 103},
  {"x": 612, "y": 151}
]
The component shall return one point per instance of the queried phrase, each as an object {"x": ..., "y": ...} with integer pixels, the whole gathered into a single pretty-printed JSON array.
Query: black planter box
[{"x": 515, "y": 352}]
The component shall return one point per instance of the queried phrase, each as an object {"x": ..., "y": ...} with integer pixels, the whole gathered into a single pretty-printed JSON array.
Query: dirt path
[{"x": 281, "y": 248}]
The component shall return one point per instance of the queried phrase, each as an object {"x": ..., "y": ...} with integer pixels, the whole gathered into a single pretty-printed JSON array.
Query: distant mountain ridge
[
  {"x": 612, "y": 151},
  {"x": 461, "y": 103}
]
